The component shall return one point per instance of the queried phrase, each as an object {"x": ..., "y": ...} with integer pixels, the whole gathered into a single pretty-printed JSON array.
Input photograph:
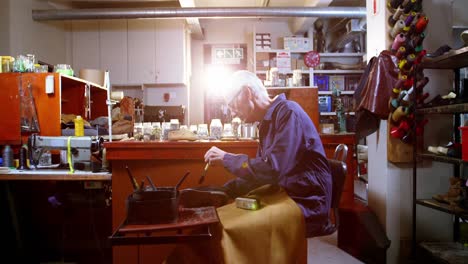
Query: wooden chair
[
  {"x": 338, "y": 171},
  {"x": 341, "y": 152}
]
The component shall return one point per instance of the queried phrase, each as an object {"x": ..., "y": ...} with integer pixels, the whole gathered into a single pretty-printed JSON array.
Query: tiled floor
[{"x": 324, "y": 250}]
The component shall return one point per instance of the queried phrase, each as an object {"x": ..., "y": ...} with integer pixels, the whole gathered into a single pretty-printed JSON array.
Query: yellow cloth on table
[
  {"x": 272, "y": 234},
  {"x": 275, "y": 233}
]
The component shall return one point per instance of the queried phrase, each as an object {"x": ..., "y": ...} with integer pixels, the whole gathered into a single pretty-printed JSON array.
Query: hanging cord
[{"x": 69, "y": 155}]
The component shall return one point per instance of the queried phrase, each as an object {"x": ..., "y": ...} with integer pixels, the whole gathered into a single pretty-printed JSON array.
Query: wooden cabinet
[
  {"x": 113, "y": 49},
  {"x": 135, "y": 51},
  {"x": 85, "y": 45},
  {"x": 68, "y": 98},
  {"x": 303, "y": 96},
  {"x": 170, "y": 51},
  {"x": 141, "y": 51}
]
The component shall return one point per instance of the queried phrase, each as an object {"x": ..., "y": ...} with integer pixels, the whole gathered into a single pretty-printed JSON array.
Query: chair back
[
  {"x": 338, "y": 171},
  {"x": 341, "y": 152}
]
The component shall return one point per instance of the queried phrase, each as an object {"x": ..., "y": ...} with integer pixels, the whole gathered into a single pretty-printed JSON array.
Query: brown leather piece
[{"x": 378, "y": 85}]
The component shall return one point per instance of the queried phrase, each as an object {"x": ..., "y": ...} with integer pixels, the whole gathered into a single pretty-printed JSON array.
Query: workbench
[{"x": 165, "y": 162}]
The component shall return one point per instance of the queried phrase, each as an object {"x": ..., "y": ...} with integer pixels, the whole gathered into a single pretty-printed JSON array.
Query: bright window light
[{"x": 215, "y": 80}]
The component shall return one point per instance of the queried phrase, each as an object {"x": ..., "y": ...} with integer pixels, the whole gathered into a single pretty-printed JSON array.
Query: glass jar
[
  {"x": 174, "y": 124},
  {"x": 216, "y": 128},
  {"x": 235, "y": 124},
  {"x": 297, "y": 78},
  {"x": 166, "y": 127},
  {"x": 147, "y": 131},
  {"x": 227, "y": 130},
  {"x": 193, "y": 129},
  {"x": 202, "y": 131},
  {"x": 64, "y": 69},
  {"x": 156, "y": 132}
]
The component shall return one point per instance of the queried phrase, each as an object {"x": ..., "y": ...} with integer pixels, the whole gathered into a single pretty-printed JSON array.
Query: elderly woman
[{"x": 290, "y": 152}]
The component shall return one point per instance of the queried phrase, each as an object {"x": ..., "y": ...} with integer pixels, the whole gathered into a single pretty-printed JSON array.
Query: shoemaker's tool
[
  {"x": 142, "y": 186},
  {"x": 202, "y": 178},
  {"x": 151, "y": 183},
  {"x": 181, "y": 180},
  {"x": 132, "y": 179}
]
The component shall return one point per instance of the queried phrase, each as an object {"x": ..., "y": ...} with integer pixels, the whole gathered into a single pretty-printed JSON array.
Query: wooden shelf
[
  {"x": 446, "y": 252},
  {"x": 67, "y": 78},
  {"x": 337, "y": 54},
  {"x": 453, "y": 59},
  {"x": 431, "y": 203},
  {"x": 288, "y": 72},
  {"x": 292, "y": 87},
  {"x": 334, "y": 54},
  {"x": 441, "y": 158},
  {"x": 444, "y": 109},
  {"x": 338, "y": 71},
  {"x": 280, "y": 50},
  {"x": 334, "y": 113},
  {"x": 330, "y": 92}
]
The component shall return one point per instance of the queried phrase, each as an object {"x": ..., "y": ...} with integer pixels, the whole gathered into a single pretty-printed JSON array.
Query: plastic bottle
[
  {"x": 79, "y": 126},
  {"x": 8, "y": 157}
]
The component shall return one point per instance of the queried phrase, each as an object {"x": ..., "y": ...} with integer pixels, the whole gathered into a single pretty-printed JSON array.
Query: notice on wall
[{"x": 283, "y": 61}]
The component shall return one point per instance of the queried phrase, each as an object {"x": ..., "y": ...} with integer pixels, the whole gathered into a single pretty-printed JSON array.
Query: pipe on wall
[{"x": 205, "y": 12}]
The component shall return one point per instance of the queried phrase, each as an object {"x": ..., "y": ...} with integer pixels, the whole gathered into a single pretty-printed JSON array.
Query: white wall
[
  {"x": 44, "y": 39},
  {"x": 4, "y": 27}
]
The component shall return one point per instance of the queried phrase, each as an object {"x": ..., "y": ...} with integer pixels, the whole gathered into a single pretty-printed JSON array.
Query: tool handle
[
  {"x": 202, "y": 178},
  {"x": 151, "y": 182},
  {"x": 132, "y": 179},
  {"x": 181, "y": 180}
]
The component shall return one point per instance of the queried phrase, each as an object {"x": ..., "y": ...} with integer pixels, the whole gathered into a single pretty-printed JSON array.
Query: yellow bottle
[{"x": 79, "y": 126}]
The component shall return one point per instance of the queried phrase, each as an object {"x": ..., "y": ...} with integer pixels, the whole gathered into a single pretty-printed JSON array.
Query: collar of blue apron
[{"x": 271, "y": 109}]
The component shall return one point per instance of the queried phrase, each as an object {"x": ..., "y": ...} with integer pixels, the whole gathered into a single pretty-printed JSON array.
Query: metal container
[
  {"x": 249, "y": 130},
  {"x": 153, "y": 207}
]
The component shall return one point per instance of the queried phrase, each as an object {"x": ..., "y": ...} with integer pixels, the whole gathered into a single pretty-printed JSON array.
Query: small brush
[{"x": 202, "y": 178}]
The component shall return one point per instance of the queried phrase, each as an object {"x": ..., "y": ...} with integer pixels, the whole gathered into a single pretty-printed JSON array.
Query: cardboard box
[
  {"x": 283, "y": 61},
  {"x": 290, "y": 43},
  {"x": 327, "y": 128},
  {"x": 297, "y": 43},
  {"x": 301, "y": 65},
  {"x": 293, "y": 63}
]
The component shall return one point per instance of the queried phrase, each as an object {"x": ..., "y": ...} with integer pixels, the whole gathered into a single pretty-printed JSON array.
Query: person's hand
[{"x": 214, "y": 156}]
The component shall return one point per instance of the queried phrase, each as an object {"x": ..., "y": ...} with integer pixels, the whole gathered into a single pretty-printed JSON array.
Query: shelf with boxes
[{"x": 284, "y": 66}]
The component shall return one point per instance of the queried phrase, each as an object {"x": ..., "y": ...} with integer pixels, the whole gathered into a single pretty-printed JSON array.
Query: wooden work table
[{"x": 165, "y": 162}]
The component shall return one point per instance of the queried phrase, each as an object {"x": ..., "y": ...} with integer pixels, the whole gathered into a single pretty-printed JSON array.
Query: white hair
[{"x": 239, "y": 80}]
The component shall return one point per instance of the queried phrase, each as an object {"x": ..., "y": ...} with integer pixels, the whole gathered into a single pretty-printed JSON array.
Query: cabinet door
[
  {"x": 141, "y": 52},
  {"x": 85, "y": 39},
  {"x": 113, "y": 49},
  {"x": 170, "y": 51}
]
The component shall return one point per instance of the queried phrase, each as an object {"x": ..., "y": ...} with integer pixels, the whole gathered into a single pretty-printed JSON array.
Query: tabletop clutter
[{"x": 216, "y": 130}]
